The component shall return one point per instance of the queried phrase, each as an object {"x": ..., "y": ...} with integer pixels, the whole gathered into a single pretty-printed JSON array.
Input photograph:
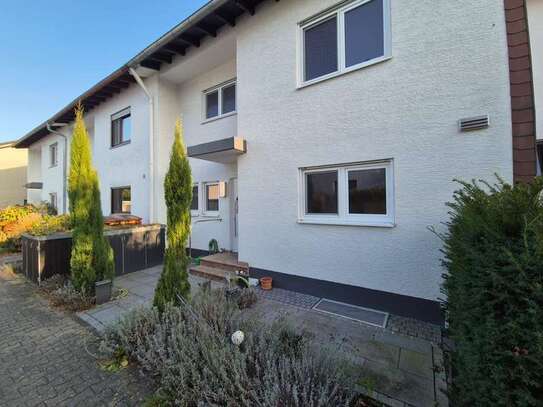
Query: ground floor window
[
  {"x": 53, "y": 203},
  {"x": 194, "y": 204},
  {"x": 212, "y": 198},
  {"x": 357, "y": 194},
  {"x": 121, "y": 200}
]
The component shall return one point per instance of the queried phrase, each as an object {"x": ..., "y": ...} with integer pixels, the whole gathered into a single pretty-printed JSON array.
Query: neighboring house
[
  {"x": 13, "y": 164},
  {"x": 324, "y": 135}
]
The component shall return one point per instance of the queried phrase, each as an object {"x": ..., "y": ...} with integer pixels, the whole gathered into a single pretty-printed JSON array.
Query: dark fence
[{"x": 134, "y": 248}]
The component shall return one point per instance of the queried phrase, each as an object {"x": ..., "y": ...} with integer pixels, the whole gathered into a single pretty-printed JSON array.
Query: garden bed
[{"x": 134, "y": 248}]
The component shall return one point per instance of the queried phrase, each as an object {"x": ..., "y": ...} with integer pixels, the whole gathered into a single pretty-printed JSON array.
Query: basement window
[
  {"x": 352, "y": 194},
  {"x": 344, "y": 39},
  {"x": 121, "y": 200},
  {"x": 121, "y": 128},
  {"x": 220, "y": 101}
]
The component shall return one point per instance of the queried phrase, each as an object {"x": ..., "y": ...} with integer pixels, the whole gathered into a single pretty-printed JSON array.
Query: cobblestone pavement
[{"x": 43, "y": 356}]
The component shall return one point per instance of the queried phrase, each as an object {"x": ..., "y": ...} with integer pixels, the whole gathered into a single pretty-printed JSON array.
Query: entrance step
[
  {"x": 211, "y": 273},
  {"x": 225, "y": 261}
]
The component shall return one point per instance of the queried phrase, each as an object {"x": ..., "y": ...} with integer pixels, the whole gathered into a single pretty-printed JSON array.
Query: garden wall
[{"x": 134, "y": 248}]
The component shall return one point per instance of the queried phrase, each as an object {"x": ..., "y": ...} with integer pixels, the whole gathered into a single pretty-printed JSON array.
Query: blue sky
[{"x": 52, "y": 51}]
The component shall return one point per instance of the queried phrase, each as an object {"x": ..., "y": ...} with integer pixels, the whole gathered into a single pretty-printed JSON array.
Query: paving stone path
[{"x": 43, "y": 356}]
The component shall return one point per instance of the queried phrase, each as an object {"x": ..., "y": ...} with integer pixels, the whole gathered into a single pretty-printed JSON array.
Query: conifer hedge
[
  {"x": 92, "y": 257},
  {"x": 178, "y": 196},
  {"x": 494, "y": 286}
]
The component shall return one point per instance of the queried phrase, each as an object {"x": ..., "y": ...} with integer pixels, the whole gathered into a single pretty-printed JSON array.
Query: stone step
[
  {"x": 211, "y": 273},
  {"x": 224, "y": 261}
]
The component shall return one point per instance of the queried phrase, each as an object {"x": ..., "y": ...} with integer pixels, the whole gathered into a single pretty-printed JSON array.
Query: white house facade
[{"x": 324, "y": 135}]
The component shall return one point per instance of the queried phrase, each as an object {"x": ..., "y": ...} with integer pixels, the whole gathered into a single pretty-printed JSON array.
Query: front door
[{"x": 234, "y": 224}]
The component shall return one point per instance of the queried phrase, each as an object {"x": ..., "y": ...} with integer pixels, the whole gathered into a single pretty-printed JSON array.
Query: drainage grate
[{"x": 365, "y": 315}]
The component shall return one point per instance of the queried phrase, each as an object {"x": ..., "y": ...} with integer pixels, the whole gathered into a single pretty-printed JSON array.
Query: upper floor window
[
  {"x": 357, "y": 194},
  {"x": 121, "y": 200},
  {"x": 220, "y": 101},
  {"x": 53, "y": 154},
  {"x": 347, "y": 38},
  {"x": 121, "y": 128}
]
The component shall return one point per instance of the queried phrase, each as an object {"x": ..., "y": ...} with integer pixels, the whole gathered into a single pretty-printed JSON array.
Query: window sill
[
  {"x": 345, "y": 71},
  {"x": 53, "y": 166},
  {"x": 342, "y": 222},
  {"x": 119, "y": 145},
  {"x": 213, "y": 119}
]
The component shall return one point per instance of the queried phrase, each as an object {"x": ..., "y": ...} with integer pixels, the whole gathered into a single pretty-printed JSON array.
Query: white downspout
[{"x": 151, "y": 143}]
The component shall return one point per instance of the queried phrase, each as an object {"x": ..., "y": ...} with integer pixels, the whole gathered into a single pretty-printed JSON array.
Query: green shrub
[
  {"x": 51, "y": 224},
  {"x": 189, "y": 352},
  {"x": 494, "y": 286},
  {"x": 178, "y": 195},
  {"x": 92, "y": 257}
]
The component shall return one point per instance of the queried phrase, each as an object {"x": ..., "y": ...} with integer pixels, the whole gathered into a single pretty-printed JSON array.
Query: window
[
  {"x": 121, "y": 128},
  {"x": 121, "y": 200},
  {"x": 220, "y": 101},
  {"x": 212, "y": 198},
  {"x": 194, "y": 203},
  {"x": 347, "y": 38},
  {"x": 357, "y": 194},
  {"x": 53, "y": 201},
  {"x": 53, "y": 155}
]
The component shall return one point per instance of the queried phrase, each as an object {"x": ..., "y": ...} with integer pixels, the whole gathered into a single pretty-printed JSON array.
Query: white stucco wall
[
  {"x": 33, "y": 173},
  {"x": 535, "y": 27},
  {"x": 125, "y": 165},
  {"x": 185, "y": 100},
  {"x": 449, "y": 61}
]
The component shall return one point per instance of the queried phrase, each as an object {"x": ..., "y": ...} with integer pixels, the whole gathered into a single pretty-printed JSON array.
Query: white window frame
[
  {"x": 218, "y": 88},
  {"x": 204, "y": 207},
  {"x": 51, "y": 162},
  {"x": 339, "y": 12},
  {"x": 343, "y": 217},
  {"x": 195, "y": 213}
]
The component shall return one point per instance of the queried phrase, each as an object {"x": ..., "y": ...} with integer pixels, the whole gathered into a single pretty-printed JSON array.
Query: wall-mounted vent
[{"x": 474, "y": 123}]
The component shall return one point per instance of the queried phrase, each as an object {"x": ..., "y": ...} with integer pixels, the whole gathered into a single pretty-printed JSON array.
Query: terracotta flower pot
[{"x": 266, "y": 283}]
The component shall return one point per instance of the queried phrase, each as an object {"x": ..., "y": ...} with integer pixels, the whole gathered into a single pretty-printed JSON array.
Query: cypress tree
[
  {"x": 92, "y": 256},
  {"x": 178, "y": 196}
]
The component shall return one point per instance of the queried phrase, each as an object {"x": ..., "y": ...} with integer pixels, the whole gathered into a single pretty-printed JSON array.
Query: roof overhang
[
  {"x": 224, "y": 151},
  {"x": 189, "y": 33}
]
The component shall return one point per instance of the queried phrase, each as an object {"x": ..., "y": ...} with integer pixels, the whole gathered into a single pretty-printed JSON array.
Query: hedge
[{"x": 494, "y": 287}]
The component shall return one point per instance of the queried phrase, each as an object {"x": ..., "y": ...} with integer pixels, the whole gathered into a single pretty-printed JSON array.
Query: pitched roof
[{"x": 206, "y": 21}]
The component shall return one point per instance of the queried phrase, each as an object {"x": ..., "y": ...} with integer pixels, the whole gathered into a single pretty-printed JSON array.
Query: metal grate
[
  {"x": 474, "y": 123},
  {"x": 354, "y": 312}
]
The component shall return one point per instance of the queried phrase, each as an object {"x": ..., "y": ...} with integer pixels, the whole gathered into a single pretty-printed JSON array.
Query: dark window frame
[
  {"x": 120, "y": 204},
  {"x": 118, "y": 118},
  {"x": 196, "y": 210}
]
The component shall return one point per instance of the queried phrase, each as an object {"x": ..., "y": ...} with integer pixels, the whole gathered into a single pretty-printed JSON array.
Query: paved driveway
[{"x": 43, "y": 360}]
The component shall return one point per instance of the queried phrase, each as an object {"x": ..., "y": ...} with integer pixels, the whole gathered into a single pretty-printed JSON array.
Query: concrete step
[
  {"x": 211, "y": 273},
  {"x": 224, "y": 261}
]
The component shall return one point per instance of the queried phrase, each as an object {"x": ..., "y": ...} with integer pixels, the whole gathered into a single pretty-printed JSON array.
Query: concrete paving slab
[
  {"x": 108, "y": 314},
  {"x": 406, "y": 342},
  {"x": 399, "y": 385},
  {"x": 417, "y": 363}
]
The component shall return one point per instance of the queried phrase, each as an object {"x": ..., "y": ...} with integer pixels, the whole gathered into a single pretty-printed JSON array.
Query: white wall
[
  {"x": 125, "y": 165},
  {"x": 185, "y": 101},
  {"x": 535, "y": 26},
  {"x": 33, "y": 173},
  {"x": 449, "y": 61}
]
